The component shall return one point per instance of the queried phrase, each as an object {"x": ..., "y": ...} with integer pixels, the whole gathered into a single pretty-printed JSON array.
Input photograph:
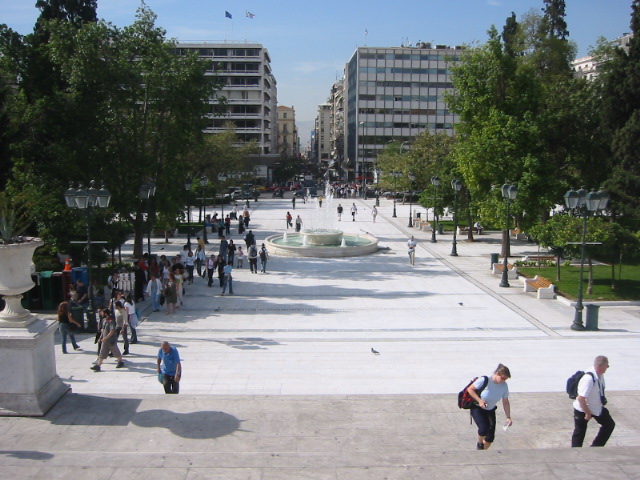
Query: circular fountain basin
[
  {"x": 322, "y": 237},
  {"x": 348, "y": 245}
]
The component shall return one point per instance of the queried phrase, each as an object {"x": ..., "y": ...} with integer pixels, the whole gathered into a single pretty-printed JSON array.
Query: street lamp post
[
  {"x": 395, "y": 176},
  {"x": 222, "y": 178},
  {"x": 435, "y": 181},
  {"x": 377, "y": 186},
  {"x": 187, "y": 186},
  {"x": 362, "y": 174},
  {"x": 203, "y": 183},
  {"x": 509, "y": 193},
  {"x": 147, "y": 191},
  {"x": 583, "y": 203},
  {"x": 412, "y": 177},
  {"x": 86, "y": 200},
  {"x": 456, "y": 185}
]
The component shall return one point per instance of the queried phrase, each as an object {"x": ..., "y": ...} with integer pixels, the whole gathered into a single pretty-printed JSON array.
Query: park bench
[
  {"x": 518, "y": 234},
  {"x": 462, "y": 230},
  {"x": 425, "y": 226},
  {"x": 541, "y": 285},
  {"x": 539, "y": 258},
  {"x": 512, "y": 271}
]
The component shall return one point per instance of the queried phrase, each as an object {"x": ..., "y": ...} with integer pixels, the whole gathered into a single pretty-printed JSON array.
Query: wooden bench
[
  {"x": 544, "y": 287},
  {"x": 512, "y": 271},
  {"x": 539, "y": 258},
  {"x": 462, "y": 230},
  {"x": 518, "y": 234},
  {"x": 425, "y": 226}
]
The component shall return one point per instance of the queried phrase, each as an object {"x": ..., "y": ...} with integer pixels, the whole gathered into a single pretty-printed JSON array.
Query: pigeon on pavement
[{"x": 375, "y": 352}]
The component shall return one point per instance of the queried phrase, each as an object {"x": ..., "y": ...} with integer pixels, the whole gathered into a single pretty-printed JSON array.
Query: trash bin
[
  {"x": 46, "y": 286},
  {"x": 417, "y": 214},
  {"x": 592, "y": 317},
  {"x": 440, "y": 229},
  {"x": 494, "y": 259},
  {"x": 77, "y": 313},
  {"x": 80, "y": 273}
]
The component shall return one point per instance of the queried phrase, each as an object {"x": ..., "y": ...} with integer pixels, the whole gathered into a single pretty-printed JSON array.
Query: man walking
[
  {"x": 591, "y": 402},
  {"x": 228, "y": 279},
  {"x": 108, "y": 342},
  {"x": 411, "y": 245},
  {"x": 252, "y": 254},
  {"x": 340, "y": 212},
  {"x": 354, "y": 210},
  {"x": 169, "y": 367}
]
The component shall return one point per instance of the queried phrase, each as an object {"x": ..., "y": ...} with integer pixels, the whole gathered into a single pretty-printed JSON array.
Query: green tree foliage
[
  {"x": 125, "y": 108},
  {"x": 621, "y": 120}
]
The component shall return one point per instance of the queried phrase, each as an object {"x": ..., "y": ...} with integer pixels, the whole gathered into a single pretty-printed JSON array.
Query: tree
[
  {"x": 621, "y": 121},
  {"x": 126, "y": 108}
]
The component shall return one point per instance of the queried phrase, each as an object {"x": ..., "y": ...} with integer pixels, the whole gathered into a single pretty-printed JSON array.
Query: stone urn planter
[
  {"x": 15, "y": 280},
  {"x": 29, "y": 384}
]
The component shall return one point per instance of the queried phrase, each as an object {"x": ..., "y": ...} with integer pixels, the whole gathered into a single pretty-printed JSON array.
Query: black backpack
[
  {"x": 465, "y": 400},
  {"x": 573, "y": 381}
]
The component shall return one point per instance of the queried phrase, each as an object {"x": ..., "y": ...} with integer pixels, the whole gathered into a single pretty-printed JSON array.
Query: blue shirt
[
  {"x": 493, "y": 392},
  {"x": 170, "y": 360}
]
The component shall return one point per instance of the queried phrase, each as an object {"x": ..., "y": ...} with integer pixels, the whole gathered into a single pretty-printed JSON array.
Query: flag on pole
[
  {"x": 227, "y": 14},
  {"x": 249, "y": 14}
]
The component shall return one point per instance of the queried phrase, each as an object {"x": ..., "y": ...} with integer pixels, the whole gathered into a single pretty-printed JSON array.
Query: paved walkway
[{"x": 280, "y": 382}]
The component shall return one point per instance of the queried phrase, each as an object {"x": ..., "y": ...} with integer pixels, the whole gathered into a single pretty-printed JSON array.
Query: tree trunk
[{"x": 590, "y": 282}]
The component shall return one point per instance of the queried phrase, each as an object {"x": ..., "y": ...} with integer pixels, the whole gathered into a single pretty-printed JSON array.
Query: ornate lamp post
[
  {"x": 395, "y": 176},
  {"x": 583, "y": 204},
  {"x": 147, "y": 191},
  {"x": 412, "y": 177},
  {"x": 222, "y": 178},
  {"x": 87, "y": 200},
  {"x": 204, "y": 181},
  {"x": 187, "y": 186},
  {"x": 435, "y": 181},
  {"x": 509, "y": 193},
  {"x": 456, "y": 185}
]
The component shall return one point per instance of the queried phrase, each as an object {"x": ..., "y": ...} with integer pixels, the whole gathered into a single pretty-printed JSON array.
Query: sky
[{"x": 310, "y": 41}]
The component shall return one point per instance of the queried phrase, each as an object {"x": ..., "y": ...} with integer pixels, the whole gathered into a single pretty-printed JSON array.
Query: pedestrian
[
  {"x": 228, "y": 279},
  {"x": 220, "y": 263},
  {"x": 298, "y": 223},
  {"x": 132, "y": 318},
  {"x": 200, "y": 261},
  {"x": 320, "y": 201},
  {"x": 264, "y": 256},
  {"x": 234, "y": 212},
  {"x": 224, "y": 248},
  {"x": 231, "y": 252},
  {"x": 249, "y": 239},
  {"x": 289, "y": 220},
  {"x": 591, "y": 402},
  {"x": 121, "y": 325},
  {"x": 108, "y": 343},
  {"x": 66, "y": 325},
  {"x": 154, "y": 289},
  {"x": 189, "y": 262},
  {"x": 227, "y": 225},
  {"x": 340, "y": 209},
  {"x": 293, "y": 201},
  {"x": 240, "y": 257},
  {"x": 411, "y": 245},
  {"x": 211, "y": 266},
  {"x": 484, "y": 412},
  {"x": 253, "y": 258},
  {"x": 354, "y": 210},
  {"x": 170, "y": 296},
  {"x": 374, "y": 213},
  {"x": 169, "y": 368}
]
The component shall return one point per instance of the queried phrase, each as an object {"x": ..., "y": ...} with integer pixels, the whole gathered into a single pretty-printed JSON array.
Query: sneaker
[
  {"x": 120, "y": 365},
  {"x": 96, "y": 368},
  {"x": 479, "y": 446},
  {"x": 126, "y": 352},
  {"x": 77, "y": 348}
]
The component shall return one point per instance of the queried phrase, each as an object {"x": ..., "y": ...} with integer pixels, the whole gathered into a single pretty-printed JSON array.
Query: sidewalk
[{"x": 280, "y": 382}]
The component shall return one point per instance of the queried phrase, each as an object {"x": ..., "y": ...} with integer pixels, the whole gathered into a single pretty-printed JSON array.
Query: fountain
[{"x": 322, "y": 238}]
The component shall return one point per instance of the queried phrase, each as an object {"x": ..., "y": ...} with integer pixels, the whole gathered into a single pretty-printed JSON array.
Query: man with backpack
[
  {"x": 264, "y": 256},
  {"x": 590, "y": 402},
  {"x": 252, "y": 254}
]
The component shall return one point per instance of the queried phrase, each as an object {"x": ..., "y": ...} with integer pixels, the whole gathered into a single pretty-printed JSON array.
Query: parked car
[{"x": 278, "y": 193}]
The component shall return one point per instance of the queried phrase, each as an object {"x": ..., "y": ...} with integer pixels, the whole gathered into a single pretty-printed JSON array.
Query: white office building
[{"x": 392, "y": 94}]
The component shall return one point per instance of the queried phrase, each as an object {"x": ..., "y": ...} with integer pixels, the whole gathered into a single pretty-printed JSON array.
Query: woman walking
[{"x": 487, "y": 391}]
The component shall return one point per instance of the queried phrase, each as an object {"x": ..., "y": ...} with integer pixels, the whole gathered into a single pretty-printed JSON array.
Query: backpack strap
[{"x": 484, "y": 385}]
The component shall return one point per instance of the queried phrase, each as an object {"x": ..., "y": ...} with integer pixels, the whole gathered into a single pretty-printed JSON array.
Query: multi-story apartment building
[
  {"x": 392, "y": 94},
  {"x": 336, "y": 129},
  {"x": 288, "y": 140},
  {"x": 587, "y": 67},
  {"x": 249, "y": 90},
  {"x": 323, "y": 134}
]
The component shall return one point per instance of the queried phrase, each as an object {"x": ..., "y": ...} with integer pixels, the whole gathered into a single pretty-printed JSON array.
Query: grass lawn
[{"x": 627, "y": 287}]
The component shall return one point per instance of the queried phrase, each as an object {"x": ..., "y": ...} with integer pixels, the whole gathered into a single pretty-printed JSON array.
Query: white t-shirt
[{"x": 591, "y": 391}]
